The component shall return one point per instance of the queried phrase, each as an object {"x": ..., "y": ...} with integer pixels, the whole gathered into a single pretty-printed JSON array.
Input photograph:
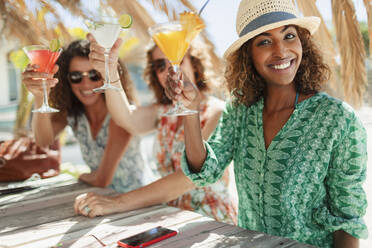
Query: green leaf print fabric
[{"x": 307, "y": 184}]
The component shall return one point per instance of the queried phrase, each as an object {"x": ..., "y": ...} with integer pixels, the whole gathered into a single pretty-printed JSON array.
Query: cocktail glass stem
[
  {"x": 106, "y": 85},
  {"x": 45, "y": 108},
  {"x": 179, "y": 109},
  {"x": 107, "y": 76},
  {"x": 45, "y": 93}
]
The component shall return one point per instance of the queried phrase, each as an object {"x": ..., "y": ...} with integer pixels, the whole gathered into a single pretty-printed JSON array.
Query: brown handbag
[{"x": 21, "y": 158}]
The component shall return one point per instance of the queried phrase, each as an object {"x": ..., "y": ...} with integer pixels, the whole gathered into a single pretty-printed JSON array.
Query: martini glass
[
  {"x": 106, "y": 32},
  {"x": 174, "y": 40},
  {"x": 46, "y": 59}
]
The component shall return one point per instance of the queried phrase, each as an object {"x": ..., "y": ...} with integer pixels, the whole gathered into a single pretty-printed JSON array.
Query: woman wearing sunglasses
[
  {"x": 109, "y": 150},
  {"x": 174, "y": 187}
]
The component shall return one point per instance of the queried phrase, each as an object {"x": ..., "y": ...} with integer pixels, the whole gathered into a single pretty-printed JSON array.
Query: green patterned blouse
[{"x": 307, "y": 184}]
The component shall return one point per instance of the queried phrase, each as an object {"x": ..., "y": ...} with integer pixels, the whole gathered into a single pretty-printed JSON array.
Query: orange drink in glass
[
  {"x": 172, "y": 41},
  {"x": 174, "y": 38}
]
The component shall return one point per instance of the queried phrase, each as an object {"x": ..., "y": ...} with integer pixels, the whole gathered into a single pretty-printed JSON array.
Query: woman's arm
[
  {"x": 44, "y": 126},
  {"x": 163, "y": 190},
  {"x": 188, "y": 94},
  {"x": 195, "y": 150},
  {"x": 342, "y": 239},
  {"x": 347, "y": 201},
  {"x": 117, "y": 143},
  {"x": 138, "y": 120}
]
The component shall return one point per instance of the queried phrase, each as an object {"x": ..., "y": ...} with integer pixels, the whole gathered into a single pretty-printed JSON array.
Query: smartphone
[{"x": 147, "y": 238}]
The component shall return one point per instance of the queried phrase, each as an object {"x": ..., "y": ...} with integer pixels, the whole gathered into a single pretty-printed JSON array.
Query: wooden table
[{"x": 44, "y": 217}]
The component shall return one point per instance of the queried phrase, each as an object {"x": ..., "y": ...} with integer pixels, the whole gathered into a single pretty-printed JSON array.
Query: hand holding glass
[
  {"x": 46, "y": 59},
  {"x": 106, "y": 32},
  {"x": 174, "y": 38}
]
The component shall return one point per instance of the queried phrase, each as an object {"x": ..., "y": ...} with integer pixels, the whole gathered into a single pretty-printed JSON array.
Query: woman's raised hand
[
  {"x": 33, "y": 80},
  {"x": 97, "y": 57},
  {"x": 182, "y": 90}
]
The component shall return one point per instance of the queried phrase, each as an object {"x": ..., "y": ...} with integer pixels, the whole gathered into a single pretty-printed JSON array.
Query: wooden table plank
[
  {"x": 62, "y": 231},
  {"x": 45, "y": 218},
  {"x": 81, "y": 225},
  {"x": 170, "y": 220},
  {"x": 49, "y": 201},
  {"x": 45, "y": 187},
  {"x": 60, "y": 213},
  {"x": 177, "y": 222}
]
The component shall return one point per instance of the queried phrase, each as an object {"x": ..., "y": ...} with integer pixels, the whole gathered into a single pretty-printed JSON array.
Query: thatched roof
[{"x": 29, "y": 26}]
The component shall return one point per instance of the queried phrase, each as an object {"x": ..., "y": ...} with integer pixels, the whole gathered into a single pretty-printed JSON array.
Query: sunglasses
[{"x": 76, "y": 77}]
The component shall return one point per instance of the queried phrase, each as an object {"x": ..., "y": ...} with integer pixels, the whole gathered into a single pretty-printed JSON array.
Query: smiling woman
[
  {"x": 262, "y": 59},
  {"x": 291, "y": 144},
  {"x": 110, "y": 151}
]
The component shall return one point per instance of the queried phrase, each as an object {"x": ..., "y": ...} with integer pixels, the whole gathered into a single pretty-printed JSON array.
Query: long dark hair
[{"x": 62, "y": 96}]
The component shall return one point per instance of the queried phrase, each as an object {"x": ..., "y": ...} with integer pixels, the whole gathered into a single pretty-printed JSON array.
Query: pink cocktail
[{"x": 46, "y": 59}]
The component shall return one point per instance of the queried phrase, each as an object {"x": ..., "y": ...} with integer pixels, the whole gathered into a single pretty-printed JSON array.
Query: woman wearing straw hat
[{"x": 299, "y": 155}]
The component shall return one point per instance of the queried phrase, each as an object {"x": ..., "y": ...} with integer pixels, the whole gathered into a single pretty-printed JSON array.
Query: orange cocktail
[
  {"x": 173, "y": 43},
  {"x": 174, "y": 38}
]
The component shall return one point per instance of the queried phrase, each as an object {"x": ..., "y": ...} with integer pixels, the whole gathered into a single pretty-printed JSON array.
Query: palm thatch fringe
[
  {"x": 351, "y": 49},
  {"x": 29, "y": 27},
  {"x": 141, "y": 22},
  {"x": 141, "y": 18},
  {"x": 171, "y": 8},
  {"x": 368, "y": 5},
  {"x": 73, "y": 6},
  {"x": 325, "y": 43}
]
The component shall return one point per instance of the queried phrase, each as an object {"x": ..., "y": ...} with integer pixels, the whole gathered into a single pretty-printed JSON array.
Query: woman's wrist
[
  {"x": 195, "y": 105},
  {"x": 120, "y": 202},
  {"x": 115, "y": 80}
]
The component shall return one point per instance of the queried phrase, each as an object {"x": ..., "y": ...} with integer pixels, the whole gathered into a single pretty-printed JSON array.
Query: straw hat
[{"x": 257, "y": 16}]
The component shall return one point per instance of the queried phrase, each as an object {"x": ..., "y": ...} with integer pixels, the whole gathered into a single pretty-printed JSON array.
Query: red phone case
[{"x": 149, "y": 242}]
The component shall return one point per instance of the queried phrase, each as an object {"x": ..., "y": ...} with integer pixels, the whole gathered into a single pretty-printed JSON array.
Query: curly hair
[
  {"x": 247, "y": 86},
  {"x": 202, "y": 67},
  {"x": 62, "y": 97}
]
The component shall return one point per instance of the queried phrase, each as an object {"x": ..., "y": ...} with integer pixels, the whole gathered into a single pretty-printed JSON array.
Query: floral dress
[
  {"x": 129, "y": 173},
  {"x": 213, "y": 200},
  {"x": 307, "y": 183}
]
